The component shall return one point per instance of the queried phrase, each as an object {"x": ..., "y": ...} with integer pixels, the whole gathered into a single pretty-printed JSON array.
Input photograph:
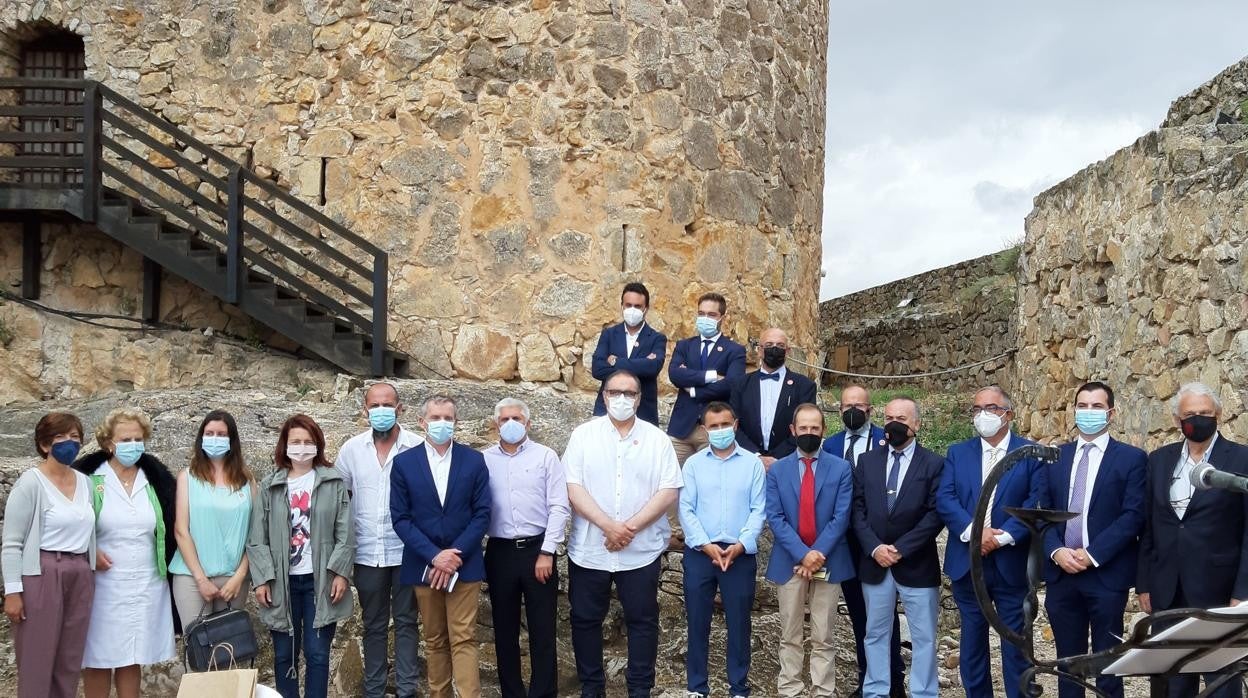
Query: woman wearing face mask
[
  {"x": 213, "y": 506},
  {"x": 133, "y": 496},
  {"x": 302, "y": 551},
  {"x": 47, "y": 561}
]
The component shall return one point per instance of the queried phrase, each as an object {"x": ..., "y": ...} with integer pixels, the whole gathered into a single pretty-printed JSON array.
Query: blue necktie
[
  {"x": 769, "y": 376},
  {"x": 893, "y": 476},
  {"x": 706, "y": 351}
]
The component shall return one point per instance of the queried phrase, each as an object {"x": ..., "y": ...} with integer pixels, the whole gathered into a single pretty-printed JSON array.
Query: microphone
[{"x": 1207, "y": 477}]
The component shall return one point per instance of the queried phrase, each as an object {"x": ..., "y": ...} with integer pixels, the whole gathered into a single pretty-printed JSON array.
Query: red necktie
[{"x": 806, "y": 504}]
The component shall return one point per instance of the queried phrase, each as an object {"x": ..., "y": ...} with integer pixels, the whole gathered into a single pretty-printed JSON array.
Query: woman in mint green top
[{"x": 209, "y": 571}]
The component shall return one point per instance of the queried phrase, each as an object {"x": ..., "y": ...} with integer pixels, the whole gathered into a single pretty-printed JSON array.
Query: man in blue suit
[
  {"x": 896, "y": 522},
  {"x": 859, "y": 436},
  {"x": 1093, "y": 556},
  {"x": 1004, "y": 543},
  {"x": 765, "y": 399},
  {"x": 1194, "y": 551},
  {"x": 703, "y": 369},
  {"x": 808, "y": 502},
  {"x": 440, "y": 509},
  {"x": 633, "y": 346}
]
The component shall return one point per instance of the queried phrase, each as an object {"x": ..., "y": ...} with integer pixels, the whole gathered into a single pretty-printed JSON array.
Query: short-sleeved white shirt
[{"x": 622, "y": 475}]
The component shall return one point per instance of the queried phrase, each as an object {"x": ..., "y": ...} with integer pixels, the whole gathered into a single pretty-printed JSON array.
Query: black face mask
[
  {"x": 897, "y": 434},
  {"x": 854, "y": 418},
  {"x": 1199, "y": 428},
  {"x": 808, "y": 443},
  {"x": 773, "y": 357}
]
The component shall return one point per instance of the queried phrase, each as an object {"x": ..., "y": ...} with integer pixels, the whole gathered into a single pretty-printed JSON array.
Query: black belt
[{"x": 520, "y": 543}]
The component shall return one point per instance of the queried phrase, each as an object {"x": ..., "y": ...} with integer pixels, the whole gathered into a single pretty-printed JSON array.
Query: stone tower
[{"x": 519, "y": 161}]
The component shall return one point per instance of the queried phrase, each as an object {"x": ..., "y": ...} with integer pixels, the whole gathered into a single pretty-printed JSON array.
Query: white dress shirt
[
  {"x": 768, "y": 399},
  {"x": 630, "y": 339},
  {"x": 622, "y": 475},
  {"x": 376, "y": 543},
  {"x": 861, "y": 446},
  {"x": 991, "y": 455},
  {"x": 1181, "y": 488},
  {"x": 907, "y": 455},
  {"x": 440, "y": 468},
  {"x": 1095, "y": 455},
  {"x": 711, "y": 375}
]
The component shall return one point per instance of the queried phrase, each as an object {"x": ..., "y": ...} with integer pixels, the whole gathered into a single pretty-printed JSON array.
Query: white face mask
[
  {"x": 988, "y": 424},
  {"x": 300, "y": 453},
  {"x": 633, "y": 316},
  {"x": 621, "y": 408}
]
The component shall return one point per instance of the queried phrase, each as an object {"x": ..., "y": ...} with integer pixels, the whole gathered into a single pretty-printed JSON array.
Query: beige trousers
[
  {"x": 822, "y": 598},
  {"x": 190, "y": 604},
  {"x": 449, "y": 622},
  {"x": 696, "y": 441}
]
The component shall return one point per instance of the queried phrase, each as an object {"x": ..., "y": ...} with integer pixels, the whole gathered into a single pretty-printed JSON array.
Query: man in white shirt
[
  {"x": 622, "y": 478},
  {"x": 365, "y": 462}
]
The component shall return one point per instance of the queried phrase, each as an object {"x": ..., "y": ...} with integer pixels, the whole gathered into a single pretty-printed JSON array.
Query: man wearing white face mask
[
  {"x": 365, "y": 462},
  {"x": 622, "y": 478},
  {"x": 1093, "y": 556},
  {"x": 440, "y": 506},
  {"x": 632, "y": 346},
  {"x": 1004, "y": 543},
  {"x": 530, "y": 511}
]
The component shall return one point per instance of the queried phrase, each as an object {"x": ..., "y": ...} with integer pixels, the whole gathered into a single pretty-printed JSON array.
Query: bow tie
[{"x": 769, "y": 376}]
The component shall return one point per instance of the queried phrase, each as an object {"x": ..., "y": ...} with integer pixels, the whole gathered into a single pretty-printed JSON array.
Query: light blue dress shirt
[{"x": 723, "y": 499}]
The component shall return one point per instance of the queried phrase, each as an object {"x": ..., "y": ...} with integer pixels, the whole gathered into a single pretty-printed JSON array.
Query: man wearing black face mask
[
  {"x": 860, "y": 436},
  {"x": 1194, "y": 552},
  {"x": 764, "y": 400},
  {"x": 896, "y": 522}
]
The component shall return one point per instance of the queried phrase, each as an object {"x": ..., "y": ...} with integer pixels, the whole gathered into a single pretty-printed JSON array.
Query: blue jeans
[
  {"x": 922, "y": 606},
  {"x": 736, "y": 588},
  {"x": 314, "y": 642}
]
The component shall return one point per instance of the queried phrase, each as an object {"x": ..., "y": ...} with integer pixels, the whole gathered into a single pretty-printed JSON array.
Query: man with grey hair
[
  {"x": 1194, "y": 553},
  {"x": 365, "y": 462},
  {"x": 530, "y": 510}
]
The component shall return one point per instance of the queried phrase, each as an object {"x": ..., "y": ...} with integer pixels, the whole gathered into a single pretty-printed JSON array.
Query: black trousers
[
  {"x": 509, "y": 572},
  {"x": 589, "y": 592}
]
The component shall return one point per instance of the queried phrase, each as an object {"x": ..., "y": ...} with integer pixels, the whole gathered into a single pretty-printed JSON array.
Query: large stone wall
[
  {"x": 519, "y": 161},
  {"x": 1133, "y": 272},
  {"x": 1226, "y": 92},
  {"x": 957, "y": 315}
]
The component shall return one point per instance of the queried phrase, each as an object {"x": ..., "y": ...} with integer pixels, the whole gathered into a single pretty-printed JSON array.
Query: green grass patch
[{"x": 944, "y": 415}]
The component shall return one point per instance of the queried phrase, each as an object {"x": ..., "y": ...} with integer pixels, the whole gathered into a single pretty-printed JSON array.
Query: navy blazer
[
  {"x": 612, "y": 342},
  {"x": 427, "y": 526},
  {"x": 912, "y": 525},
  {"x": 1115, "y": 514},
  {"x": 835, "y": 444},
  {"x": 960, "y": 484},
  {"x": 746, "y": 401},
  {"x": 686, "y": 371},
  {"x": 1206, "y": 551},
  {"x": 834, "y": 490}
]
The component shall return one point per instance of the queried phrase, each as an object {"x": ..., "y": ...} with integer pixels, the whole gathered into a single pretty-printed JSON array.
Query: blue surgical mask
[
  {"x": 440, "y": 431},
  {"x": 129, "y": 452},
  {"x": 216, "y": 446},
  {"x": 512, "y": 431},
  {"x": 1091, "y": 421},
  {"x": 707, "y": 327},
  {"x": 65, "y": 452},
  {"x": 721, "y": 438},
  {"x": 381, "y": 418}
]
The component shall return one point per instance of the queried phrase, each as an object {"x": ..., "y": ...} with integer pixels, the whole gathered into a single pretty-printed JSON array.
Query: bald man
[{"x": 764, "y": 400}]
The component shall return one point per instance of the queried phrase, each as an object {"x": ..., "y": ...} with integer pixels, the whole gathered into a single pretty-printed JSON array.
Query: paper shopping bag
[{"x": 227, "y": 683}]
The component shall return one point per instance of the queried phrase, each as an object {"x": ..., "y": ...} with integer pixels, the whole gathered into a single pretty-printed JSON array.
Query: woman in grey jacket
[{"x": 301, "y": 549}]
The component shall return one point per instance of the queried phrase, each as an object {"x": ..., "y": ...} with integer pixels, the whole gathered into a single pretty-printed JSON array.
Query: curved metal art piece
[{"x": 1083, "y": 669}]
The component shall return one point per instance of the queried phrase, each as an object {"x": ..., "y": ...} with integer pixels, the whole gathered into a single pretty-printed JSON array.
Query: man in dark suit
[
  {"x": 896, "y": 523},
  {"x": 702, "y": 368},
  {"x": 1194, "y": 552},
  {"x": 633, "y": 346},
  {"x": 440, "y": 509},
  {"x": 808, "y": 502},
  {"x": 765, "y": 399},
  {"x": 1004, "y": 543},
  {"x": 858, "y": 437},
  {"x": 1093, "y": 556}
]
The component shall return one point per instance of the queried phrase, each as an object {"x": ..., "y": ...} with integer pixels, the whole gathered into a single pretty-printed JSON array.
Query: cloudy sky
[{"x": 946, "y": 118}]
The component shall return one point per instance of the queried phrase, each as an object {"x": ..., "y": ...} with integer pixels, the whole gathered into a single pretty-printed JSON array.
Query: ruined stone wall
[
  {"x": 957, "y": 315},
  {"x": 519, "y": 161},
  {"x": 1227, "y": 92},
  {"x": 1133, "y": 272}
]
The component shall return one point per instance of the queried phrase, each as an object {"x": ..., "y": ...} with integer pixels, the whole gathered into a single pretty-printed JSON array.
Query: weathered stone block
[
  {"x": 482, "y": 353},
  {"x": 537, "y": 359},
  {"x": 732, "y": 195}
]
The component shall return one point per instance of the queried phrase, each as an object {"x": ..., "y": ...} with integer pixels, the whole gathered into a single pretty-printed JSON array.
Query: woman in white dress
[{"x": 133, "y": 495}]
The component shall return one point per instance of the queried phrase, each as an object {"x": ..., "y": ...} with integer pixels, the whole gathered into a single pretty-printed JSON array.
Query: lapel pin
[
  {"x": 719, "y": 348},
  {"x": 789, "y": 381}
]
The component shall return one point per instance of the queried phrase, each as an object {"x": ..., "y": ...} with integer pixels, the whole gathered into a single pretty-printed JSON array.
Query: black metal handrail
[{"x": 365, "y": 276}]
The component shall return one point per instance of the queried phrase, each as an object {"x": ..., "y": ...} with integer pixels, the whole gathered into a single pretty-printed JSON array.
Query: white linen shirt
[
  {"x": 622, "y": 475},
  {"x": 376, "y": 543}
]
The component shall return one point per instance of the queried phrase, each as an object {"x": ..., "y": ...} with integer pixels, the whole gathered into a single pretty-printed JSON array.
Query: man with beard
[{"x": 765, "y": 399}]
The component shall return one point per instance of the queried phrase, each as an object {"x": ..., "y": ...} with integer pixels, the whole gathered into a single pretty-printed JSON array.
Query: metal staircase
[{"x": 196, "y": 213}]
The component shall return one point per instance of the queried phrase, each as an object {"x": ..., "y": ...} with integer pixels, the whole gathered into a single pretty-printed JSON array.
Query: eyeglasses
[
  {"x": 630, "y": 394},
  {"x": 995, "y": 409}
]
